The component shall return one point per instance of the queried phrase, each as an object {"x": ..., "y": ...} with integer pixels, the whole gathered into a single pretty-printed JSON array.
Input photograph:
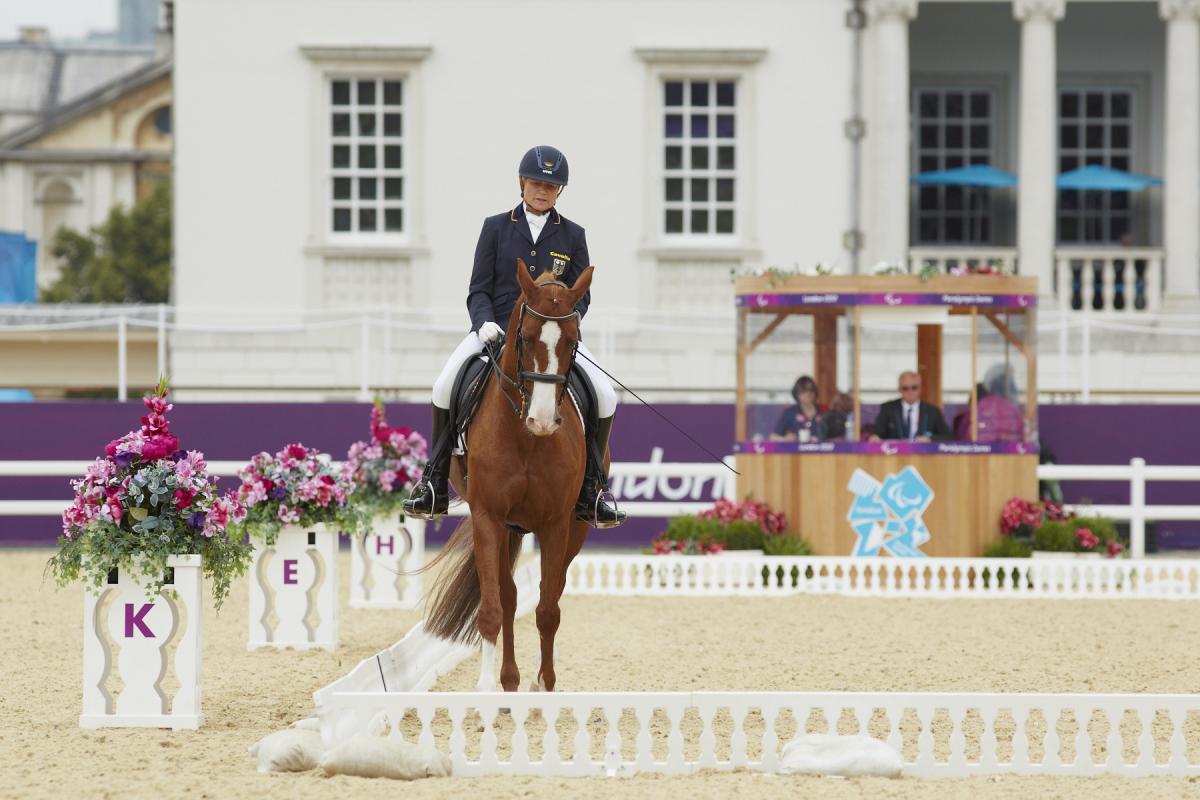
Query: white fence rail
[
  {"x": 776, "y": 576},
  {"x": 937, "y": 735},
  {"x": 723, "y": 485}
]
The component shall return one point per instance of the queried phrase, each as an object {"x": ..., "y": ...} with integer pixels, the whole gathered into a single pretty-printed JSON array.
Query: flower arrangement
[
  {"x": 297, "y": 486},
  {"x": 1079, "y": 535},
  {"x": 384, "y": 469},
  {"x": 144, "y": 501},
  {"x": 729, "y": 525},
  {"x": 992, "y": 266},
  {"x": 1020, "y": 518}
]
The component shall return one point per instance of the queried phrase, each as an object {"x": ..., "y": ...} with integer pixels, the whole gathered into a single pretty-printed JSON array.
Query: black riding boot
[
  {"x": 430, "y": 498},
  {"x": 593, "y": 506}
]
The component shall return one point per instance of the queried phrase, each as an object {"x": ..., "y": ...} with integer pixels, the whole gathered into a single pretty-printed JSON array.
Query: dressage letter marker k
[
  {"x": 132, "y": 619},
  {"x": 390, "y": 544}
]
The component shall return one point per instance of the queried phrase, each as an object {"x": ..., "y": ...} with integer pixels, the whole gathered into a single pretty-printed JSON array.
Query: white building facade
[{"x": 335, "y": 157}]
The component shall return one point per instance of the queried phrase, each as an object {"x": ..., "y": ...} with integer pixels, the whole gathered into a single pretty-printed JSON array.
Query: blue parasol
[
  {"x": 1104, "y": 179},
  {"x": 974, "y": 175}
]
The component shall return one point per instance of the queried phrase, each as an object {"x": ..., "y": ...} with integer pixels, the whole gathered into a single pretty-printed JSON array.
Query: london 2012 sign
[{"x": 888, "y": 515}]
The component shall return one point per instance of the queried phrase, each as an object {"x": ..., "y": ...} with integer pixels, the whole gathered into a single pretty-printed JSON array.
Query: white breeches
[{"x": 606, "y": 398}]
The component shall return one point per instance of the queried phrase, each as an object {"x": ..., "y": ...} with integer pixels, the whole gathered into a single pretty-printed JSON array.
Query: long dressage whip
[{"x": 714, "y": 456}]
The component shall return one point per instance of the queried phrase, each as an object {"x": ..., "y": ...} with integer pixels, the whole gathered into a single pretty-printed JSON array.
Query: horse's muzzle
[{"x": 540, "y": 429}]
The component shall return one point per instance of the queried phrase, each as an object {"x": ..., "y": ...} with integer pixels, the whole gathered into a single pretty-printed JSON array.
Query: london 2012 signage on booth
[{"x": 888, "y": 515}]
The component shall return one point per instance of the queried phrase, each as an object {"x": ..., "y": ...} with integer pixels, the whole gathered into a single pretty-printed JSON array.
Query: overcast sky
[{"x": 66, "y": 19}]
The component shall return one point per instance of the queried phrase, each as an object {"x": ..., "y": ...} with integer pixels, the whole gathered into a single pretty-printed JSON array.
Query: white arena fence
[
  {"x": 1137, "y": 473},
  {"x": 734, "y": 575},
  {"x": 937, "y": 735}
]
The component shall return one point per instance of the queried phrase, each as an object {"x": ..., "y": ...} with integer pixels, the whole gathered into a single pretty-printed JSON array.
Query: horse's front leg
[
  {"x": 488, "y": 537},
  {"x": 558, "y": 549},
  {"x": 510, "y": 676}
]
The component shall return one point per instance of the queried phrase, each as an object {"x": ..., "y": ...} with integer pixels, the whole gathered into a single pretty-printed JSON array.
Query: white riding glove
[{"x": 489, "y": 332}]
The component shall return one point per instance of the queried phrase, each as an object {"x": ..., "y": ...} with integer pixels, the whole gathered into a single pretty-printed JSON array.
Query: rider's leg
[
  {"x": 430, "y": 498},
  {"x": 593, "y": 505}
]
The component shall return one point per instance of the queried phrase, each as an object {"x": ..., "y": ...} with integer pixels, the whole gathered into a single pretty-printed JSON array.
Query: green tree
[{"x": 126, "y": 259}]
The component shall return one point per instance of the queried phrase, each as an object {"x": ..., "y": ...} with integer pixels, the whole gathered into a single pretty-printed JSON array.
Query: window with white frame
[
  {"x": 366, "y": 156},
  {"x": 699, "y": 157},
  {"x": 953, "y": 127},
  {"x": 1095, "y": 126}
]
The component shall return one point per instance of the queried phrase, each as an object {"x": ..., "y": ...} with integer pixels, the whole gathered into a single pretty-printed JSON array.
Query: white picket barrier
[
  {"x": 412, "y": 664},
  {"x": 773, "y": 576},
  {"x": 294, "y": 590},
  {"x": 937, "y": 735},
  {"x": 125, "y": 630},
  {"x": 380, "y": 563}
]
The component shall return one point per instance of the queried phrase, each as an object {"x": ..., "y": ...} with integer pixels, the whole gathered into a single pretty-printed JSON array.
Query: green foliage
[
  {"x": 785, "y": 546},
  {"x": 106, "y": 546},
  {"x": 739, "y": 534},
  {"x": 1104, "y": 528},
  {"x": 1057, "y": 537},
  {"x": 125, "y": 259},
  {"x": 685, "y": 527},
  {"x": 1008, "y": 547}
]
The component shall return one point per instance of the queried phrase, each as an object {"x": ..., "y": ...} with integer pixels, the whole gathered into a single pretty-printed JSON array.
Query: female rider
[{"x": 548, "y": 242}]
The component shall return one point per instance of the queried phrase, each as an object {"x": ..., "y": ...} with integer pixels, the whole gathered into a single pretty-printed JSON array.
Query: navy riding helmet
[{"x": 544, "y": 163}]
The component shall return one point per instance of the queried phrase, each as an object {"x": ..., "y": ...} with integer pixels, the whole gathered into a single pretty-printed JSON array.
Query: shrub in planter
[
  {"x": 1079, "y": 535},
  {"x": 1055, "y": 537},
  {"x": 786, "y": 546},
  {"x": 741, "y": 534},
  {"x": 1008, "y": 548}
]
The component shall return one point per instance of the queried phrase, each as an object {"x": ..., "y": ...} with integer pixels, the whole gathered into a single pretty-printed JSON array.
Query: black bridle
[{"x": 525, "y": 376}]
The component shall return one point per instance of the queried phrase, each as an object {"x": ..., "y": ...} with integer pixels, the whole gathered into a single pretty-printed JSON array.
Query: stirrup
[
  {"x": 593, "y": 519},
  {"x": 410, "y": 505}
]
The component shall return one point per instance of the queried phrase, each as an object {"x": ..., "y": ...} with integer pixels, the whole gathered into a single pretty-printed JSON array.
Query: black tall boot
[
  {"x": 431, "y": 497},
  {"x": 593, "y": 505}
]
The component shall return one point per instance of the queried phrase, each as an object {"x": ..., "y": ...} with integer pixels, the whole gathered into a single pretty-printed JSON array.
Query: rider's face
[{"x": 539, "y": 196}]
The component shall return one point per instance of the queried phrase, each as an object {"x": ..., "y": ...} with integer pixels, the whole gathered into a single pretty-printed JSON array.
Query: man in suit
[{"x": 907, "y": 417}]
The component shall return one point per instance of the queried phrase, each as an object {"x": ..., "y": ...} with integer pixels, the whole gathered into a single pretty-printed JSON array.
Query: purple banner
[
  {"x": 895, "y": 299},
  {"x": 1070, "y": 434},
  {"x": 889, "y": 448}
]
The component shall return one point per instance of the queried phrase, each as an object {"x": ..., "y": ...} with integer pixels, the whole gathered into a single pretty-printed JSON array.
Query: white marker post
[
  {"x": 126, "y": 631},
  {"x": 380, "y": 559},
  {"x": 293, "y": 590}
]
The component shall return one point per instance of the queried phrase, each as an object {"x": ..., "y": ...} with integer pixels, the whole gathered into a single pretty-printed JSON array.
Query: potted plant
[
  {"x": 1078, "y": 537},
  {"x": 382, "y": 471},
  {"x": 296, "y": 502},
  {"x": 146, "y": 523}
]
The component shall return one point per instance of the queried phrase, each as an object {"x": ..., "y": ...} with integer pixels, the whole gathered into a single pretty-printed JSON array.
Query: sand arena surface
[{"x": 801, "y": 643}]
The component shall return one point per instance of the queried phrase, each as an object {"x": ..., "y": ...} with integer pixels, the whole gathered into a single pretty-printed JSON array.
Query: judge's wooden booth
[{"x": 971, "y": 339}]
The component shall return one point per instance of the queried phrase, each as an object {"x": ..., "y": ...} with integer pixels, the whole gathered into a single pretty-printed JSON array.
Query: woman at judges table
[{"x": 798, "y": 421}]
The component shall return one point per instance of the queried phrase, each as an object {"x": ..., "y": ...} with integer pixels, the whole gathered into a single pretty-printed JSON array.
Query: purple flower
[
  {"x": 123, "y": 459},
  {"x": 278, "y": 493},
  {"x": 196, "y": 519}
]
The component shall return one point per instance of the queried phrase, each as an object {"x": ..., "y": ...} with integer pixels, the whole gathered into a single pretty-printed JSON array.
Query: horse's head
[{"x": 546, "y": 336}]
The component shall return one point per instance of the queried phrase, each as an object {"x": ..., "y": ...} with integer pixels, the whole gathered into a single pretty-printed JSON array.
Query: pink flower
[
  {"x": 159, "y": 446},
  {"x": 1115, "y": 549},
  {"x": 1087, "y": 540},
  {"x": 183, "y": 498},
  {"x": 296, "y": 451},
  {"x": 288, "y": 516}
]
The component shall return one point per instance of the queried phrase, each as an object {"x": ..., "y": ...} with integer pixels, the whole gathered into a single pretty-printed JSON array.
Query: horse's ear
[
  {"x": 527, "y": 285},
  {"x": 581, "y": 284}
]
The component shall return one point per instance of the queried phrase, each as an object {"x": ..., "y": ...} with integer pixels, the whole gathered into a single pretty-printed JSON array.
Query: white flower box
[
  {"x": 379, "y": 561},
  {"x": 129, "y": 639},
  {"x": 294, "y": 590}
]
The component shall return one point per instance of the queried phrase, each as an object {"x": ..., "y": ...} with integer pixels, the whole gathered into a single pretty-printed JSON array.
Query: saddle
[{"x": 471, "y": 382}]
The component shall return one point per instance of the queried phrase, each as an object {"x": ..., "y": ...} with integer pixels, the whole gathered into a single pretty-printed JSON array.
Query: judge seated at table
[
  {"x": 907, "y": 417},
  {"x": 798, "y": 421}
]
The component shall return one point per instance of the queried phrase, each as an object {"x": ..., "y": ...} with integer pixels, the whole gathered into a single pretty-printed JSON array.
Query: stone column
[
  {"x": 891, "y": 131},
  {"x": 1181, "y": 171},
  {"x": 1037, "y": 162}
]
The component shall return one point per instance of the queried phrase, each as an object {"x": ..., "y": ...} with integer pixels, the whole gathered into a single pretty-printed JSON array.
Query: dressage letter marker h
[
  {"x": 381, "y": 560},
  {"x": 135, "y": 636},
  {"x": 293, "y": 590}
]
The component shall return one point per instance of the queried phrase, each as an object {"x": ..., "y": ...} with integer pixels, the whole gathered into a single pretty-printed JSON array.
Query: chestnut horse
[{"x": 525, "y": 463}]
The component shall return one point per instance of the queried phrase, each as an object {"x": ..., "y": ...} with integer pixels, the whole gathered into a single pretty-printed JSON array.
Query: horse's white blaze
[
  {"x": 487, "y": 668},
  {"x": 541, "y": 403}
]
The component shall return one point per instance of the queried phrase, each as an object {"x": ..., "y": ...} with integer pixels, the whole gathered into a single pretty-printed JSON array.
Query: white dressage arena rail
[
  {"x": 937, "y": 735},
  {"x": 731, "y": 574},
  {"x": 618, "y": 470}
]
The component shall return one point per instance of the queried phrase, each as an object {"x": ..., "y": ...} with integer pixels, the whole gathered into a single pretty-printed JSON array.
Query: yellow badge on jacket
[{"x": 560, "y": 262}]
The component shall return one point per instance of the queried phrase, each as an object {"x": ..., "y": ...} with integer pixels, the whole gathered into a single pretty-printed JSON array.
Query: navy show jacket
[{"x": 561, "y": 248}]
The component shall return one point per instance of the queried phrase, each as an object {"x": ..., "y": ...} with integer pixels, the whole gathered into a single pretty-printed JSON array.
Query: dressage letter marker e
[
  {"x": 289, "y": 570},
  {"x": 132, "y": 619}
]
